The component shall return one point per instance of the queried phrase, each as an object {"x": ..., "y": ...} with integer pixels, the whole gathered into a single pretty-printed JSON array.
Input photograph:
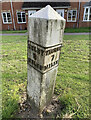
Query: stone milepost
[{"x": 45, "y": 33}]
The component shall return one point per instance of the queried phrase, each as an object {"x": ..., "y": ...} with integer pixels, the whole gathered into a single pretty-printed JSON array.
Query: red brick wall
[
  {"x": 74, "y": 6},
  {"x": 5, "y": 8},
  {"x": 17, "y": 6},
  {"x": 81, "y": 22},
  {"x": 0, "y": 16}
]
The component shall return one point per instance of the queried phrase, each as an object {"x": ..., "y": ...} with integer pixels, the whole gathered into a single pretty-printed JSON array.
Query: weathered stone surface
[
  {"x": 45, "y": 33},
  {"x": 47, "y": 87},
  {"x": 47, "y": 13},
  {"x": 40, "y": 87},
  {"x": 46, "y": 29}
]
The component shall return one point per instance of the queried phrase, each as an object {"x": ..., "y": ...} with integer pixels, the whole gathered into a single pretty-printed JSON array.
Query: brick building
[{"x": 14, "y": 15}]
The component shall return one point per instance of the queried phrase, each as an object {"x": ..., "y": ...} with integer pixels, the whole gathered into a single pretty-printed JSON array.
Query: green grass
[
  {"x": 67, "y": 30},
  {"x": 73, "y": 77},
  {"x": 13, "y": 31},
  {"x": 72, "y": 83},
  {"x": 77, "y": 30},
  {"x": 14, "y": 73}
]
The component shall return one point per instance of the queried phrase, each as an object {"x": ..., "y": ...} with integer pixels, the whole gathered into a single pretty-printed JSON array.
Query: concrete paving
[
  {"x": 77, "y": 33},
  {"x": 16, "y": 34}
]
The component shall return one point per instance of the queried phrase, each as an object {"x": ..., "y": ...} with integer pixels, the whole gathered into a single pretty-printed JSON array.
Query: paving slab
[
  {"x": 20, "y": 34},
  {"x": 77, "y": 33}
]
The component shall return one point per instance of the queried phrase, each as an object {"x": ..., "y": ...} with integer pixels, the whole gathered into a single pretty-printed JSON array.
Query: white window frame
[
  {"x": 21, "y": 15},
  {"x": 31, "y": 11},
  {"x": 6, "y": 18},
  {"x": 86, "y": 13},
  {"x": 62, "y": 10},
  {"x": 71, "y": 16}
]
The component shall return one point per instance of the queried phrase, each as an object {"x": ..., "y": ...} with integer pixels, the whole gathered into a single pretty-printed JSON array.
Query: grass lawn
[
  {"x": 72, "y": 83},
  {"x": 77, "y": 30},
  {"x": 67, "y": 30},
  {"x": 13, "y": 31}
]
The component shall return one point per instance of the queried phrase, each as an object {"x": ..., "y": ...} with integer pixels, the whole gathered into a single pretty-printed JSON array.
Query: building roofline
[
  {"x": 34, "y": 8},
  {"x": 87, "y": 4},
  {"x": 38, "y": 5}
]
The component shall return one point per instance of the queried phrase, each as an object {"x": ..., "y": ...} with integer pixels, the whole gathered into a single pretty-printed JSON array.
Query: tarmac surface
[{"x": 17, "y": 34}]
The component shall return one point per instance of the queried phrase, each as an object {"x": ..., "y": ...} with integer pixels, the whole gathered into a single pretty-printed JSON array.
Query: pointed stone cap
[{"x": 47, "y": 13}]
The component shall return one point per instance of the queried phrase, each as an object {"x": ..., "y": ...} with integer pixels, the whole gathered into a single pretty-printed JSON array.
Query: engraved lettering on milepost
[{"x": 38, "y": 53}]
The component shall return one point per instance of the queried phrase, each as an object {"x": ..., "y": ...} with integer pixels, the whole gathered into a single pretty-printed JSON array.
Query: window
[
  {"x": 87, "y": 14},
  {"x": 31, "y": 12},
  {"x": 6, "y": 17},
  {"x": 61, "y": 12},
  {"x": 21, "y": 17},
  {"x": 71, "y": 16}
]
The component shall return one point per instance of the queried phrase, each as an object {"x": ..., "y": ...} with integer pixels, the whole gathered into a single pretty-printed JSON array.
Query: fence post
[{"x": 45, "y": 33}]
